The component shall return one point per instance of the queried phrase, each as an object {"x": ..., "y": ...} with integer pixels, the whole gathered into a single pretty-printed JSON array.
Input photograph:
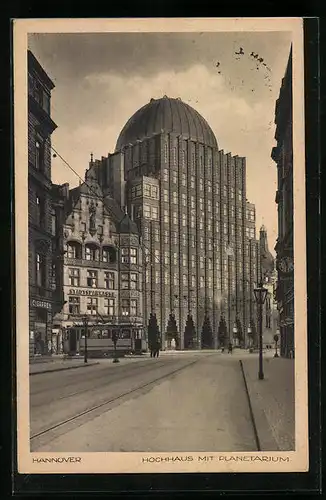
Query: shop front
[{"x": 40, "y": 333}]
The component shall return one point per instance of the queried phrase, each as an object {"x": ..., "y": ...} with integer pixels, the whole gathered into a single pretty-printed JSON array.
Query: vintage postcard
[{"x": 160, "y": 245}]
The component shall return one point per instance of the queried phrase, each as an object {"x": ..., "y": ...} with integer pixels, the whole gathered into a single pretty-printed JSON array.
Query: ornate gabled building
[
  {"x": 188, "y": 199},
  {"x": 102, "y": 266},
  {"x": 42, "y": 302},
  {"x": 282, "y": 154}
]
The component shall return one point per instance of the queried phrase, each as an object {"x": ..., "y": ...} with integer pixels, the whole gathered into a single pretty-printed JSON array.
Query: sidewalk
[
  {"x": 58, "y": 363},
  {"x": 272, "y": 401}
]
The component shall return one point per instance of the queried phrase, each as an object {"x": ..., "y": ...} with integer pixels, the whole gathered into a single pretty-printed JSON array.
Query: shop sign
[
  {"x": 41, "y": 303},
  {"x": 93, "y": 293}
]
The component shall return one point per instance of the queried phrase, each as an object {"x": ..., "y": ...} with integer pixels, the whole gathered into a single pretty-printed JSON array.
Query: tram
[{"x": 131, "y": 340}]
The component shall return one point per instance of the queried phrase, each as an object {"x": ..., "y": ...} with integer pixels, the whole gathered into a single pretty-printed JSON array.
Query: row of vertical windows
[
  {"x": 128, "y": 306},
  {"x": 128, "y": 280}
]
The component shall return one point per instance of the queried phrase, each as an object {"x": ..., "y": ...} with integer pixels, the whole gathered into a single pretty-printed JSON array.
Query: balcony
[{"x": 95, "y": 264}]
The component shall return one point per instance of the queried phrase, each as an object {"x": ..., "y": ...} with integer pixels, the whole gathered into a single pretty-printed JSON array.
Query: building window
[
  {"x": 184, "y": 239},
  {"x": 209, "y": 186},
  {"x": 175, "y": 279},
  {"x": 129, "y": 256},
  {"x": 174, "y": 237},
  {"x": 166, "y": 216},
  {"x": 201, "y": 184},
  {"x": 193, "y": 261},
  {"x": 92, "y": 278},
  {"x": 109, "y": 307},
  {"x": 201, "y": 204},
  {"x": 201, "y": 262},
  {"x": 184, "y": 179},
  {"x": 165, "y": 195},
  {"x": 240, "y": 195},
  {"x": 201, "y": 242},
  {"x": 147, "y": 190},
  {"x": 166, "y": 236},
  {"x": 92, "y": 305},
  {"x": 91, "y": 252},
  {"x": 184, "y": 220},
  {"x": 155, "y": 192},
  {"x": 147, "y": 211},
  {"x": 201, "y": 223},
  {"x": 175, "y": 218},
  {"x": 166, "y": 258},
  {"x": 192, "y": 202},
  {"x": 154, "y": 213},
  {"x": 210, "y": 244},
  {"x": 166, "y": 278},
  {"x": 157, "y": 277},
  {"x": 184, "y": 260},
  {"x": 74, "y": 277},
  {"x": 157, "y": 234},
  {"x": 210, "y": 282},
  {"x": 183, "y": 158},
  {"x": 184, "y": 200},
  {"x": 108, "y": 254},
  {"x": 225, "y": 228},
  {"x": 39, "y": 154},
  {"x": 109, "y": 280},
  {"x": 53, "y": 223},
  {"x": 165, "y": 175},
  {"x": 209, "y": 225},
  {"x": 185, "y": 280},
  {"x": 129, "y": 307},
  {"x": 209, "y": 206},
  {"x": 165, "y": 153},
  {"x": 40, "y": 210},
  {"x": 174, "y": 177},
  {"x": 73, "y": 250},
  {"x": 202, "y": 282},
  {"x": 125, "y": 281},
  {"x": 225, "y": 210},
  {"x": 40, "y": 270},
  {"x": 193, "y": 281},
  {"x": 175, "y": 198},
  {"x": 225, "y": 191},
  {"x": 192, "y": 182},
  {"x": 156, "y": 256},
  {"x": 146, "y": 233},
  {"x": 192, "y": 221},
  {"x": 175, "y": 258},
  {"x": 74, "y": 305},
  {"x": 174, "y": 157}
]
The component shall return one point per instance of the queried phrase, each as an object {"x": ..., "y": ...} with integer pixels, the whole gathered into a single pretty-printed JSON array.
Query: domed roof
[{"x": 166, "y": 115}]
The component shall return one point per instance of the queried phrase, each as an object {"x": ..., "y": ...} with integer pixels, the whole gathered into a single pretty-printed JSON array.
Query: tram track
[
  {"x": 118, "y": 373},
  {"x": 61, "y": 427}
]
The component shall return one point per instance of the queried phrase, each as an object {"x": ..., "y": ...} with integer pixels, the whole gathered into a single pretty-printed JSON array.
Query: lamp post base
[
  {"x": 276, "y": 355},
  {"x": 116, "y": 360},
  {"x": 261, "y": 376}
]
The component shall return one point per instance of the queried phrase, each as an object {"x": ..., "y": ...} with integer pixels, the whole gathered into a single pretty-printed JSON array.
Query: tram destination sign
[{"x": 93, "y": 293}]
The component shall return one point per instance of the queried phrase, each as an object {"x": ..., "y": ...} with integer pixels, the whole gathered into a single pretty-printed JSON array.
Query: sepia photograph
[{"x": 160, "y": 245}]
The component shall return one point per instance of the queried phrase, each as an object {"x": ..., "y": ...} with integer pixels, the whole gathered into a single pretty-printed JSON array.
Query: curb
[
  {"x": 65, "y": 368},
  {"x": 264, "y": 438}
]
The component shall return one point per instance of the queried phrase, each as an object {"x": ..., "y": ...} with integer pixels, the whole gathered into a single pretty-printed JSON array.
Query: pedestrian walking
[{"x": 230, "y": 348}]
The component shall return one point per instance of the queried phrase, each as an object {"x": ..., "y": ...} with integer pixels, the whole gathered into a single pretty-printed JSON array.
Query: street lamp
[
  {"x": 260, "y": 296},
  {"x": 85, "y": 321}
]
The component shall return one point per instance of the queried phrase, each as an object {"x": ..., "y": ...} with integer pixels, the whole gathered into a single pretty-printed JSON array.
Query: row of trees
[{"x": 190, "y": 336}]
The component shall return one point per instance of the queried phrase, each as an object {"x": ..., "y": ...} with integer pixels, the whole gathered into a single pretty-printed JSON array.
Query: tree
[
  {"x": 189, "y": 333},
  {"x": 154, "y": 337},
  {"x": 239, "y": 332},
  {"x": 222, "y": 332},
  {"x": 206, "y": 334},
  {"x": 172, "y": 331}
]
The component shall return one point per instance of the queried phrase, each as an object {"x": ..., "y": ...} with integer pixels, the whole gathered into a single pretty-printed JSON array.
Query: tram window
[{"x": 125, "y": 333}]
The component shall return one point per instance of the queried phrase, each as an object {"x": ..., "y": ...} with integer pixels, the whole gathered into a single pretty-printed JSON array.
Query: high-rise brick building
[
  {"x": 189, "y": 201},
  {"x": 40, "y": 128}
]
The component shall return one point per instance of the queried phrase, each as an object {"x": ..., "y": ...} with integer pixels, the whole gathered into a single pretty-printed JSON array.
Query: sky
[{"x": 232, "y": 79}]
